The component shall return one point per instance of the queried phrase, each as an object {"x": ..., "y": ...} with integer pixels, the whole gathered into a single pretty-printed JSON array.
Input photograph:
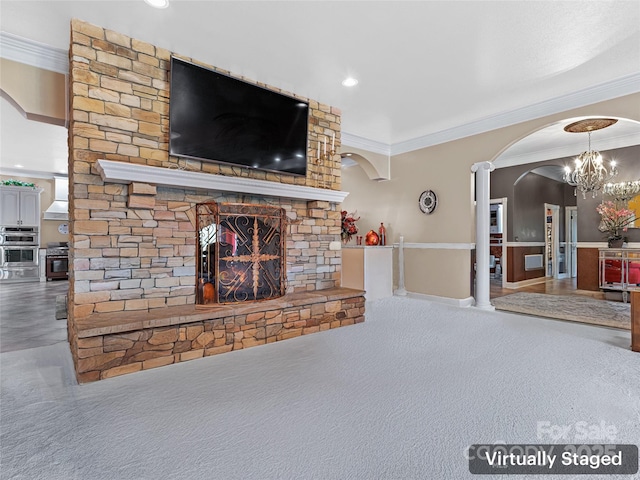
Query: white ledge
[{"x": 122, "y": 172}]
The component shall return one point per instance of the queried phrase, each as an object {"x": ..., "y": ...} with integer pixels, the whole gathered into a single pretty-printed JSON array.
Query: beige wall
[
  {"x": 48, "y": 228},
  {"x": 38, "y": 93},
  {"x": 445, "y": 169}
]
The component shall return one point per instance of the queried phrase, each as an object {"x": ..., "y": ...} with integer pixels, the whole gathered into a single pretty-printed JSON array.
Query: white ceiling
[
  {"x": 428, "y": 70},
  {"x": 28, "y": 147}
]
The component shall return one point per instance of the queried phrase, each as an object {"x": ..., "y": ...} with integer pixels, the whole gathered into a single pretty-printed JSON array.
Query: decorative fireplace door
[{"x": 240, "y": 253}]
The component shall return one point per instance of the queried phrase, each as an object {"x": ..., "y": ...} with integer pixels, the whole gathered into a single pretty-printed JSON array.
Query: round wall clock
[
  {"x": 63, "y": 228},
  {"x": 428, "y": 201}
]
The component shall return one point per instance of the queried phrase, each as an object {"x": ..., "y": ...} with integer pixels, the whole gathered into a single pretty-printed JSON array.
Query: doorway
[
  {"x": 498, "y": 241},
  {"x": 571, "y": 241},
  {"x": 554, "y": 263}
]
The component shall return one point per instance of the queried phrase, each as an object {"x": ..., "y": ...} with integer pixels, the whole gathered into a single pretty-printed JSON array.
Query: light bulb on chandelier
[{"x": 589, "y": 174}]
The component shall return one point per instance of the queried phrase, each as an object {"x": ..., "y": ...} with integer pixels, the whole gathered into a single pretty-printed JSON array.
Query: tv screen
[{"x": 222, "y": 119}]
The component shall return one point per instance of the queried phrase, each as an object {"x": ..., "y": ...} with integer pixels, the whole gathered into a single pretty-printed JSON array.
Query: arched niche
[{"x": 377, "y": 166}]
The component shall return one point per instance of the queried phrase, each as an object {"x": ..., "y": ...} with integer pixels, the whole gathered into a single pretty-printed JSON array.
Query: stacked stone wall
[{"x": 132, "y": 247}]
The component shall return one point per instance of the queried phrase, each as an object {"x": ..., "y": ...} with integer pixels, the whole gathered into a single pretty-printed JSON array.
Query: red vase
[
  {"x": 372, "y": 238},
  {"x": 382, "y": 232}
]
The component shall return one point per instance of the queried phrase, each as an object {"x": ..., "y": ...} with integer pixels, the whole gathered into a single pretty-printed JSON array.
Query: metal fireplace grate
[{"x": 240, "y": 253}]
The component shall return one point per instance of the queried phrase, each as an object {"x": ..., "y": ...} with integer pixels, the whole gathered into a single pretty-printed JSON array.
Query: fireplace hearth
[{"x": 240, "y": 253}]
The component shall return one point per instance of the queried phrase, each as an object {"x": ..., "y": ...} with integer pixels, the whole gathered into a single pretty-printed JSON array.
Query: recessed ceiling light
[
  {"x": 19, "y": 166},
  {"x": 349, "y": 82},
  {"x": 158, "y": 3}
]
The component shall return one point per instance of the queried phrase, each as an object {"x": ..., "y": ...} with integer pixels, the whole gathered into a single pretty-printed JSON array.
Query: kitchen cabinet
[{"x": 19, "y": 206}]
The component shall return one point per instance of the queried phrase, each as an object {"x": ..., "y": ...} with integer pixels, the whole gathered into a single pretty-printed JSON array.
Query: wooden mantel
[{"x": 123, "y": 172}]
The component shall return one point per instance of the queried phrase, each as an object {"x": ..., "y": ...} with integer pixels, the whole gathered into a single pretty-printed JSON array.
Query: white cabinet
[
  {"x": 19, "y": 206},
  {"x": 370, "y": 269}
]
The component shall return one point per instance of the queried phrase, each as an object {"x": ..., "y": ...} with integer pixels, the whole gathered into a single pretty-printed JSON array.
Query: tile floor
[{"x": 28, "y": 315}]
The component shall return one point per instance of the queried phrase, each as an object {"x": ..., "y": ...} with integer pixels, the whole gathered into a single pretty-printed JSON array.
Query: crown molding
[
  {"x": 21, "y": 172},
  {"x": 620, "y": 87},
  {"x": 571, "y": 150},
  {"x": 33, "y": 53},
  {"x": 350, "y": 140}
]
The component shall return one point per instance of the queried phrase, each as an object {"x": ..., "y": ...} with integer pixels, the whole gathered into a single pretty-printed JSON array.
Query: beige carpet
[{"x": 576, "y": 308}]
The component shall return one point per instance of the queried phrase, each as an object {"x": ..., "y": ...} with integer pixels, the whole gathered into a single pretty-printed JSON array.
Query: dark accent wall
[
  {"x": 628, "y": 160},
  {"x": 530, "y": 195},
  {"x": 527, "y": 197}
]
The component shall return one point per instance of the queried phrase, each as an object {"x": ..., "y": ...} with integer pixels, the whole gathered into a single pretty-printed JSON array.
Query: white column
[
  {"x": 401, "y": 290},
  {"x": 482, "y": 171}
]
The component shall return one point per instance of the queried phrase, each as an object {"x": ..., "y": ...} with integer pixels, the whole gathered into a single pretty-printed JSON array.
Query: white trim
[
  {"x": 122, "y": 172},
  {"x": 438, "y": 246},
  {"x": 605, "y": 245},
  {"x": 456, "y": 302},
  {"x": 606, "y": 91},
  {"x": 525, "y": 244},
  {"x": 592, "y": 245},
  {"x": 525, "y": 283},
  {"x": 350, "y": 140},
  {"x": 570, "y": 253},
  {"x": 21, "y": 172},
  {"x": 36, "y": 54}
]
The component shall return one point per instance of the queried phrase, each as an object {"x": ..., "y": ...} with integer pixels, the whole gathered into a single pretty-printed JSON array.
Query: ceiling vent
[{"x": 59, "y": 209}]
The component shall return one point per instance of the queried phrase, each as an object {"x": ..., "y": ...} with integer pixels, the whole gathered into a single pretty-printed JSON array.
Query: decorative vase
[
  {"x": 371, "y": 238},
  {"x": 207, "y": 291},
  {"x": 615, "y": 242},
  {"x": 382, "y": 232}
]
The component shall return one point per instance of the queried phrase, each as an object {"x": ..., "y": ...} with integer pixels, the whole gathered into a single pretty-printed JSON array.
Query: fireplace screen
[{"x": 240, "y": 254}]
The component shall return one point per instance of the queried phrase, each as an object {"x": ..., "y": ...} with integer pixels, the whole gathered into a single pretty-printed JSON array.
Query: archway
[
  {"x": 377, "y": 166},
  {"x": 545, "y": 145}
]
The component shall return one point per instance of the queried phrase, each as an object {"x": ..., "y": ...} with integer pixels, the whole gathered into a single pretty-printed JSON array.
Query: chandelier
[
  {"x": 589, "y": 174},
  {"x": 622, "y": 191}
]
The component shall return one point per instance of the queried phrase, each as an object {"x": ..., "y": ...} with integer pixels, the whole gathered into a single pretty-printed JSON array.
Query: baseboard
[
  {"x": 525, "y": 283},
  {"x": 456, "y": 302}
]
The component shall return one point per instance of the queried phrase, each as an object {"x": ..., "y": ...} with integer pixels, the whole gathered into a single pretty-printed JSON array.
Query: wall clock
[
  {"x": 428, "y": 201},
  {"x": 63, "y": 228}
]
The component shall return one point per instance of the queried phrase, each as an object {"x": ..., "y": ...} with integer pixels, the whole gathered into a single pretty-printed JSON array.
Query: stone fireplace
[{"x": 136, "y": 217}]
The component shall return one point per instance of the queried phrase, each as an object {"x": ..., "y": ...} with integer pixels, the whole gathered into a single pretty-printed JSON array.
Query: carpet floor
[
  {"x": 576, "y": 308},
  {"x": 398, "y": 397}
]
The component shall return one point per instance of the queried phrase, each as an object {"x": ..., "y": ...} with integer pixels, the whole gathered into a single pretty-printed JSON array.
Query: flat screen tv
[{"x": 217, "y": 118}]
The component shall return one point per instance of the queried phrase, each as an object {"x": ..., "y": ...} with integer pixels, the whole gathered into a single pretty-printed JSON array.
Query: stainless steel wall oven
[
  {"x": 18, "y": 262},
  {"x": 14, "y": 236},
  {"x": 19, "y": 258}
]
